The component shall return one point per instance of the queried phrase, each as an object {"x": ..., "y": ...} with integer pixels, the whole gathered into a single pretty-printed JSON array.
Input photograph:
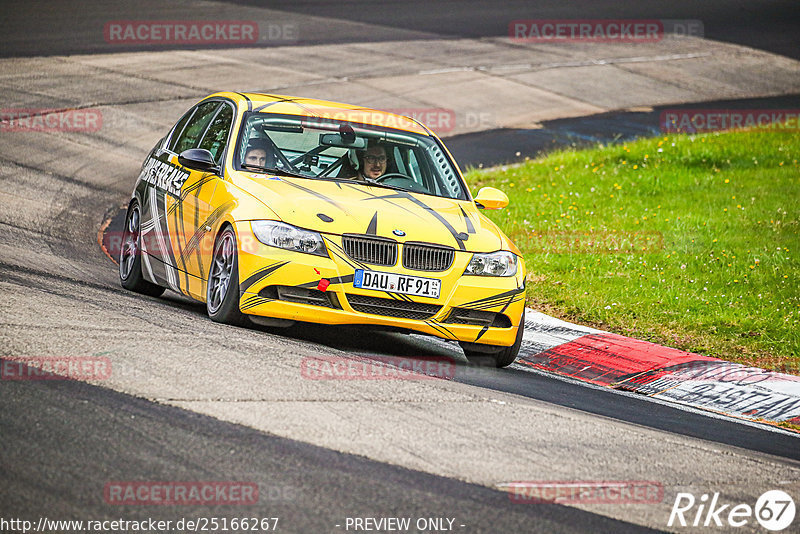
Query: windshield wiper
[
  {"x": 269, "y": 170},
  {"x": 370, "y": 181}
]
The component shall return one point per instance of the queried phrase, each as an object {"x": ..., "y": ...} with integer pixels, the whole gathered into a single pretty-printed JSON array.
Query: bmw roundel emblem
[{"x": 398, "y": 233}]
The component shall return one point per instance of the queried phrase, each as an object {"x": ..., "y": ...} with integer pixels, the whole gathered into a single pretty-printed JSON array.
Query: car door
[
  {"x": 194, "y": 216},
  {"x": 160, "y": 190}
]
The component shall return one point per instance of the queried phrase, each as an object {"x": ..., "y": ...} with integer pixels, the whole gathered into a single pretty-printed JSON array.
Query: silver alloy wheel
[
  {"x": 221, "y": 268},
  {"x": 130, "y": 244}
]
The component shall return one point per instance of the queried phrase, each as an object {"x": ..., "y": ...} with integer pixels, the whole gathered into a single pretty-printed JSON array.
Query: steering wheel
[
  {"x": 406, "y": 182},
  {"x": 394, "y": 175}
]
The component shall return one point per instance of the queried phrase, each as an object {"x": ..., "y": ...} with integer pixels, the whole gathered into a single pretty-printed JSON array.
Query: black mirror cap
[{"x": 198, "y": 159}]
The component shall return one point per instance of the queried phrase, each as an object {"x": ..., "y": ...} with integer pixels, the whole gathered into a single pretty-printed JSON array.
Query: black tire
[
  {"x": 502, "y": 358},
  {"x": 130, "y": 256},
  {"x": 222, "y": 290}
]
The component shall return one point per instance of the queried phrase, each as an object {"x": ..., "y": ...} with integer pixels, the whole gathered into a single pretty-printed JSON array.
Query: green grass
[{"x": 719, "y": 274}]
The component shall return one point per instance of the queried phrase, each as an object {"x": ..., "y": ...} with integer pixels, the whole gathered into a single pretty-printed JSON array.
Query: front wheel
[
  {"x": 222, "y": 292},
  {"x": 130, "y": 256},
  {"x": 502, "y": 358}
]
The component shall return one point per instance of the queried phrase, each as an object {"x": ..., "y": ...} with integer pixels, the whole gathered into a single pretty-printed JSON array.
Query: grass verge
[{"x": 691, "y": 241}]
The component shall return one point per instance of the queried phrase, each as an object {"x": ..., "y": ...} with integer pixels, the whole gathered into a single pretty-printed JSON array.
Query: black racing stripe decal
[
  {"x": 372, "y": 229},
  {"x": 384, "y": 198},
  {"x": 470, "y": 227},
  {"x": 277, "y": 100},
  {"x": 510, "y": 300},
  {"x": 442, "y": 330},
  {"x": 195, "y": 220},
  {"x": 491, "y": 305},
  {"x": 341, "y": 254},
  {"x": 260, "y": 275},
  {"x": 201, "y": 231},
  {"x": 495, "y": 304},
  {"x": 493, "y": 297},
  {"x": 352, "y": 263},
  {"x": 483, "y": 331},
  {"x": 182, "y": 267},
  {"x": 250, "y": 299},
  {"x": 312, "y": 192},
  {"x": 253, "y": 301},
  {"x": 438, "y": 216},
  {"x": 456, "y": 235},
  {"x": 170, "y": 262},
  {"x": 280, "y": 99},
  {"x": 197, "y": 185},
  {"x": 159, "y": 267}
]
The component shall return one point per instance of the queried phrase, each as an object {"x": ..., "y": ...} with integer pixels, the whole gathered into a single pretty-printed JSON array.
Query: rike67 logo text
[{"x": 774, "y": 510}]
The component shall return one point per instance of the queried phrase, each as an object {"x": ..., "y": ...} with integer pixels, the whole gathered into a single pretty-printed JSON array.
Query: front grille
[
  {"x": 478, "y": 317},
  {"x": 370, "y": 249},
  {"x": 393, "y": 308},
  {"x": 424, "y": 257}
]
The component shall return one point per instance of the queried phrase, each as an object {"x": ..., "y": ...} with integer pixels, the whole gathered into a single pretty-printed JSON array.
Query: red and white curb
[{"x": 663, "y": 373}]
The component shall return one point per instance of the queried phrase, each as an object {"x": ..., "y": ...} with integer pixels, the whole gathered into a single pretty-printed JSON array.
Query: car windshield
[{"x": 321, "y": 148}]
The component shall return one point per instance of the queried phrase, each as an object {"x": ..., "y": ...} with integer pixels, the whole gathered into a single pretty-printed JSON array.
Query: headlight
[
  {"x": 286, "y": 236},
  {"x": 495, "y": 264}
]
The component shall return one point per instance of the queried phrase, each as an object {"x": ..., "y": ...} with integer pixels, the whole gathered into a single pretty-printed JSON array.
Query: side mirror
[
  {"x": 490, "y": 198},
  {"x": 198, "y": 159}
]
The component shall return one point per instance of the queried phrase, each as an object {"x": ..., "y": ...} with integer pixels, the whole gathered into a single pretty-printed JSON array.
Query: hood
[{"x": 339, "y": 207}]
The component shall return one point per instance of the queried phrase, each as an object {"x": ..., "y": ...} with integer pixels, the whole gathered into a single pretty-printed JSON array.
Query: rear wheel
[
  {"x": 130, "y": 256},
  {"x": 222, "y": 292},
  {"x": 495, "y": 358}
]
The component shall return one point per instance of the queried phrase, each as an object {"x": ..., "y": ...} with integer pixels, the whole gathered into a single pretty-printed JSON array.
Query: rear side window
[
  {"x": 216, "y": 136},
  {"x": 176, "y": 131},
  {"x": 195, "y": 127}
]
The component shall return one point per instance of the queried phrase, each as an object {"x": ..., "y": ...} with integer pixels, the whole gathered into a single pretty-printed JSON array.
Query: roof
[{"x": 291, "y": 105}]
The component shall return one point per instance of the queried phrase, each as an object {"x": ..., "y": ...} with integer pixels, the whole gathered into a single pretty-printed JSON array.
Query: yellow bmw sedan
[{"x": 274, "y": 209}]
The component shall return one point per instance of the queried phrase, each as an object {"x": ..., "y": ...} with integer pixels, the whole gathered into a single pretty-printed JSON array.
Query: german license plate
[{"x": 397, "y": 283}]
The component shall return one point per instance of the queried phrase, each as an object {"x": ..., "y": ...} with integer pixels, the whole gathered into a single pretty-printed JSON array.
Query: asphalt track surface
[
  {"x": 60, "y": 438},
  {"x": 43, "y": 27},
  {"x": 61, "y": 441}
]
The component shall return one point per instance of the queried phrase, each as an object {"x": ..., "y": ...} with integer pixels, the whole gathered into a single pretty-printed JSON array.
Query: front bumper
[{"x": 282, "y": 284}]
